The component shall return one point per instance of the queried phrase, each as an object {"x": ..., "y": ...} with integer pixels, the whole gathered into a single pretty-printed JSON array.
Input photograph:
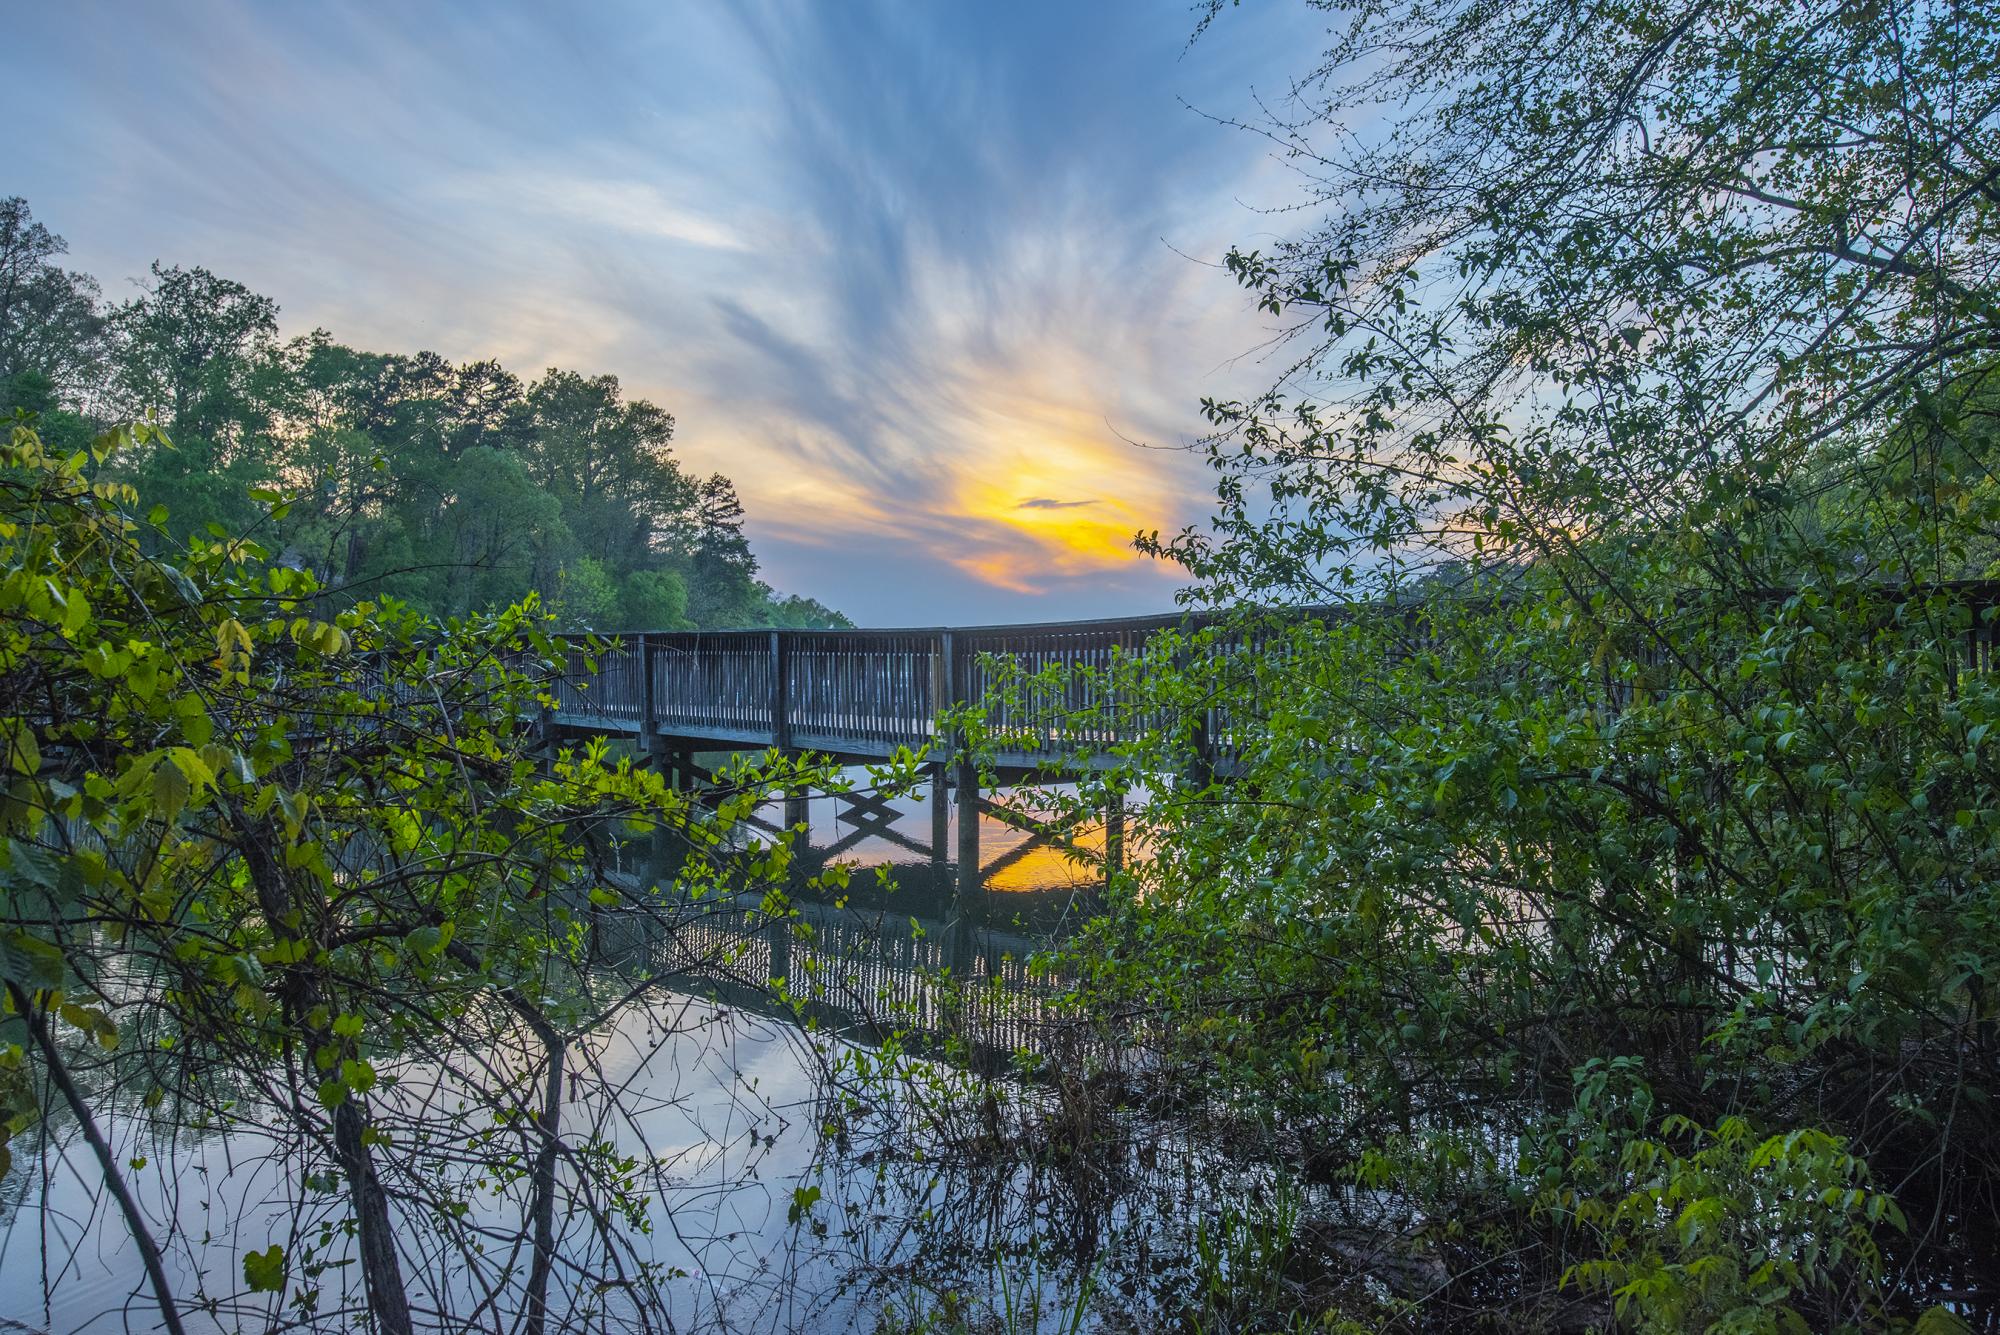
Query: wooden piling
[
  {"x": 940, "y": 814},
  {"x": 969, "y": 884}
]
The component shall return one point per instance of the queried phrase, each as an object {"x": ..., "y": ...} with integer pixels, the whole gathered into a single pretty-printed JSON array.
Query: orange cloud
[{"x": 1055, "y": 491}]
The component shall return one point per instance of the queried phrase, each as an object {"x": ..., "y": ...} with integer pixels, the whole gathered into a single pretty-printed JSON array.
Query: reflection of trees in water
[
  {"x": 664, "y": 1133},
  {"x": 223, "y": 1167},
  {"x": 662, "y": 1126}
]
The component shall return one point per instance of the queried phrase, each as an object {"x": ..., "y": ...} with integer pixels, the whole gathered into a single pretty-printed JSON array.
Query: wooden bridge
[
  {"x": 860, "y": 694},
  {"x": 863, "y": 694}
]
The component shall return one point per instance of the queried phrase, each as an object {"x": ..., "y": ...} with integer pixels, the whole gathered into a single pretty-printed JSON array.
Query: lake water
[{"x": 728, "y": 1102}]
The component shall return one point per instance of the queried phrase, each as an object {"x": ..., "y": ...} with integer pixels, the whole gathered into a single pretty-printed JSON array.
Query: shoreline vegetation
[{"x": 1597, "y": 924}]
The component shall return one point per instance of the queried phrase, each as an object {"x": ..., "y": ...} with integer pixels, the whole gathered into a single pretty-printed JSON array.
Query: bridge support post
[
  {"x": 961, "y": 954},
  {"x": 968, "y": 833},
  {"x": 1200, "y": 771},
  {"x": 779, "y": 937},
  {"x": 683, "y": 775},
  {"x": 940, "y": 814},
  {"x": 781, "y": 684},
  {"x": 797, "y": 810},
  {"x": 649, "y": 733}
]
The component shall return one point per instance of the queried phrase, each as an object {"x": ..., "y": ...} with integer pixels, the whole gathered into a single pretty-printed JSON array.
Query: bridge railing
[
  {"x": 1086, "y": 704},
  {"x": 873, "y": 689},
  {"x": 867, "y": 692},
  {"x": 723, "y": 682},
  {"x": 864, "y": 692},
  {"x": 602, "y": 684}
]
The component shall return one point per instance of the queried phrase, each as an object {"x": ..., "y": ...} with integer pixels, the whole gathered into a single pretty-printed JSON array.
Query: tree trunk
[
  {"x": 304, "y": 990},
  {"x": 545, "y": 1189},
  {"x": 542, "y": 1202},
  {"x": 381, "y": 1268}
]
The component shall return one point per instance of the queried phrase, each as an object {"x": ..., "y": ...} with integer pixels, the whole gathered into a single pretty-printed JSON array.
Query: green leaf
[
  {"x": 31, "y": 962},
  {"x": 36, "y": 866},
  {"x": 93, "y": 1022},
  {"x": 171, "y": 790},
  {"x": 404, "y": 831},
  {"x": 17, "y": 740},
  {"x": 264, "y": 1272},
  {"x": 76, "y": 613},
  {"x": 180, "y": 584}
]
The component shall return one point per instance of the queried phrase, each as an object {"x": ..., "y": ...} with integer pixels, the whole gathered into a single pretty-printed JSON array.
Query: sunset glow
[{"x": 918, "y": 319}]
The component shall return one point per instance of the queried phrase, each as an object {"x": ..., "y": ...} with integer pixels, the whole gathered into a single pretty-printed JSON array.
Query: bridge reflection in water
[{"x": 916, "y": 947}]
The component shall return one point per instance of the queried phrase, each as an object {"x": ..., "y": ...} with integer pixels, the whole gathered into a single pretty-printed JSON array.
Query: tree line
[{"x": 453, "y": 488}]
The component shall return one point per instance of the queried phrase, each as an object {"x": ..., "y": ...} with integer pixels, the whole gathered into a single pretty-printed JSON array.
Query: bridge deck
[
  {"x": 862, "y": 694},
  {"x": 858, "y": 694}
]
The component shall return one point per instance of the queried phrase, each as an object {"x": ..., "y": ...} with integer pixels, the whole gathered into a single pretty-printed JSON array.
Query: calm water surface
[{"x": 726, "y": 1099}]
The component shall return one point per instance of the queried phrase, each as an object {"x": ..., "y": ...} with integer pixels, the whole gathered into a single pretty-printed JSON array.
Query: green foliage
[
  {"x": 1727, "y": 1237},
  {"x": 656, "y": 600},
  {"x": 1240, "y": 1261},
  {"x": 456, "y": 489},
  {"x": 263, "y": 853},
  {"x": 585, "y": 597},
  {"x": 1605, "y": 868},
  {"x": 51, "y": 326},
  {"x": 1018, "y": 1303}
]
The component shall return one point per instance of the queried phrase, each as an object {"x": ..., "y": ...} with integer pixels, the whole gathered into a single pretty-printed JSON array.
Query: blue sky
[{"x": 908, "y": 273}]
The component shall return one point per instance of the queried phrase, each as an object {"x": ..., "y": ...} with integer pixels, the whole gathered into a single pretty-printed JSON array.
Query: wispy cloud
[
  {"x": 910, "y": 275},
  {"x": 550, "y": 199}
]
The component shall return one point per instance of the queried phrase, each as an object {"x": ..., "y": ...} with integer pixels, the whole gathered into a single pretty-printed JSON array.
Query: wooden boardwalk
[
  {"x": 857, "y": 694},
  {"x": 860, "y": 695},
  {"x": 863, "y": 694}
]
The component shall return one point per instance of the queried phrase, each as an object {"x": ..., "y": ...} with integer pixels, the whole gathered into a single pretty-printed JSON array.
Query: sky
[{"x": 934, "y": 283}]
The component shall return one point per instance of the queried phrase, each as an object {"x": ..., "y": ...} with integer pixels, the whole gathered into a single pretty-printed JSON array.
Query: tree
[
  {"x": 655, "y": 600},
  {"x": 500, "y": 535},
  {"x": 51, "y": 330},
  {"x": 611, "y": 460},
  {"x": 722, "y": 589},
  {"x": 794, "y": 612},
  {"x": 185, "y": 348},
  {"x": 303, "y": 871},
  {"x": 1613, "y": 865},
  {"x": 585, "y": 597},
  {"x": 402, "y": 473},
  {"x": 1658, "y": 256}
]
